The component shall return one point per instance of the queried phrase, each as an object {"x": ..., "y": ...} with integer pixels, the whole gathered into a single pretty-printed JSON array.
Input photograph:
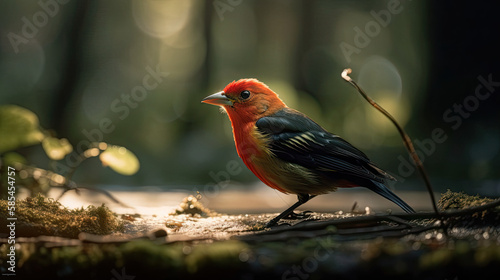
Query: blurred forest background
[{"x": 143, "y": 67}]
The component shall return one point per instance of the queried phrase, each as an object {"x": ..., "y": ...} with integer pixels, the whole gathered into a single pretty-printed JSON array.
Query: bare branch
[{"x": 406, "y": 139}]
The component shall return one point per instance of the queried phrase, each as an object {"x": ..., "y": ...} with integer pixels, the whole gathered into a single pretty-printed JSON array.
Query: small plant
[
  {"x": 39, "y": 215},
  {"x": 19, "y": 128}
]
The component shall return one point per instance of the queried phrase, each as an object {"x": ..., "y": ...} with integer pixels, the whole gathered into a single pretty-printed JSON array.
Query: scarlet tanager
[{"x": 290, "y": 152}]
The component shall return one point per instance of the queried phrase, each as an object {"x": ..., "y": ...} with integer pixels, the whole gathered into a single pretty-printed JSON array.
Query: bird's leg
[{"x": 303, "y": 198}]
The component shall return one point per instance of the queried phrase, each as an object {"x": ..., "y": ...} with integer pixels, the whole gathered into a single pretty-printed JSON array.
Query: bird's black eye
[{"x": 245, "y": 94}]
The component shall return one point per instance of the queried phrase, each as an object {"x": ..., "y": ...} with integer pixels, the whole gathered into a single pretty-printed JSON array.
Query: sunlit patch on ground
[{"x": 187, "y": 239}]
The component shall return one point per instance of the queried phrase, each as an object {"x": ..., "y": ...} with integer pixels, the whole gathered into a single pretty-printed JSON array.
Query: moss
[
  {"x": 141, "y": 259},
  {"x": 143, "y": 255},
  {"x": 317, "y": 258},
  {"x": 192, "y": 206},
  {"x": 459, "y": 200},
  {"x": 219, "y": 254},
  {"x": 328, "y": 255},
  {"x": 436, "y": 258},
  {"x": 45, "y": 216}
]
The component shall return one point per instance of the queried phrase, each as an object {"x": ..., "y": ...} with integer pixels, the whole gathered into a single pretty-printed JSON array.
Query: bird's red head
[{"x": 246, "y": 100}]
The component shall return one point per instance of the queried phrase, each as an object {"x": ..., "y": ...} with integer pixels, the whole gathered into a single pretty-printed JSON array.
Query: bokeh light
[{"x": 76, "y": 72}]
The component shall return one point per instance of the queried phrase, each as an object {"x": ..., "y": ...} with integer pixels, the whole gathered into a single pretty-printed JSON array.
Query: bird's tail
[{"x": 382, "y": 190}]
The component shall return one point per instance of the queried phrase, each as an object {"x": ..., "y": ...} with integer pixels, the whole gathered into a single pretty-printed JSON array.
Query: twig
[
  {"x": 353, "y": 228},
  {"x": 372, "y": 220},
  {"x": 104, "y": 192},
  {"x": 406, "y": 139},
  {"x": 362, "y": 227},
  {"x": 69, "y": 185}
]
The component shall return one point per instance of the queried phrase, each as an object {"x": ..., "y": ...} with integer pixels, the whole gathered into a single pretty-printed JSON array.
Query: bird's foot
[
  {"x": 271, "y": 223},
  {"x": 298, "y": 216},
  {"x": 291, "y": 216}
]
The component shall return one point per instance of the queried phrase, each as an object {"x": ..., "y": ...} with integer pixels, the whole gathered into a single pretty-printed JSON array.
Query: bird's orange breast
[
  {"x": 276, "y": 173},
  {"x": 253, "y": 149}
]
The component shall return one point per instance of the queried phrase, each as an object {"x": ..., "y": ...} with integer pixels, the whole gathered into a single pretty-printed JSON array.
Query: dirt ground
[{"x": 188, "y": 240}]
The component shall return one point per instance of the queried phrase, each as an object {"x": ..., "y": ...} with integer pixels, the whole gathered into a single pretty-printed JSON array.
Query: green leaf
[
  {"x": 19, "y": 127},
  {"x": 56, "y": 149},
  {"x": 120, "y": 160},
  {"x": 13, "y": 159}
]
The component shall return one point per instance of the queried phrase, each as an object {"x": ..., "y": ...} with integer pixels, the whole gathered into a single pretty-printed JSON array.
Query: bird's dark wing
[{"x": 296, "y": 138}]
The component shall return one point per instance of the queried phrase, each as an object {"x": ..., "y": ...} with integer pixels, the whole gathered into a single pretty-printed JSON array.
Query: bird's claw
[
  {"x": 291, "y": 216},
  {"x": 271, "y": 223},
  {"x": 298, "y": 216}
]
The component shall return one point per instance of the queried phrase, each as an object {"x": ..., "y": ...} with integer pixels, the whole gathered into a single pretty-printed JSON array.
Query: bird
[{"x": 290, "y": 152}]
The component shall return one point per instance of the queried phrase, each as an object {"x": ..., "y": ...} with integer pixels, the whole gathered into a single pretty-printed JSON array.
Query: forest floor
[{"x": 191, "y": 241}]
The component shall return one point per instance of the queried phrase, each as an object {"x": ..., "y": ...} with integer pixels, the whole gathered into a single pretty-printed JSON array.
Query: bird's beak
[{"x": 218, "y": 99}]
